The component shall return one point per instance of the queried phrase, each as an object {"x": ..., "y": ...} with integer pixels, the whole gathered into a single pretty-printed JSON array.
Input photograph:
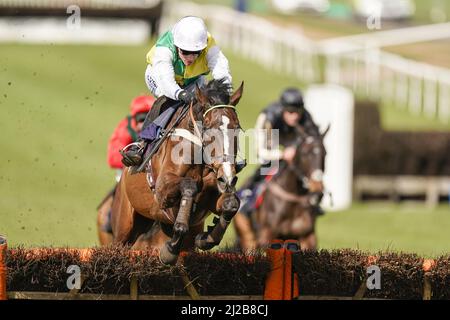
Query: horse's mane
[{"x": 218, "y": 91}]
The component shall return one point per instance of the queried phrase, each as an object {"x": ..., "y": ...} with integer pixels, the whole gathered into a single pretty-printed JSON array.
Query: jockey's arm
[
  {"x": 264, "y": 144},
  {"x": 218, "y": 64},
  {"x": 164, "y": 73}
]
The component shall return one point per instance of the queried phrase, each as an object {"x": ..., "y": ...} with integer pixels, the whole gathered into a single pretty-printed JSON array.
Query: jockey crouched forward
[
  {"x": 283, "y": 115},
  {"x": 181, "y": 58}
]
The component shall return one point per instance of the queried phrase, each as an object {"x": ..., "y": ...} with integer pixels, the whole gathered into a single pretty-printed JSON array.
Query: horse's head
[
  {"x": 216, "y": 109},
  {"x": 310, "y": 160}
]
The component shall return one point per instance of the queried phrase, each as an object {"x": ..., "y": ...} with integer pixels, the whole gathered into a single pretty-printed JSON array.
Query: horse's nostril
[
  {"x": 221, "y": 179},
  {"x": 234, "y": 181}
]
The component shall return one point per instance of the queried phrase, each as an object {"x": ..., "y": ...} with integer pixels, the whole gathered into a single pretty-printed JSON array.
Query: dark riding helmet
[{"x": 292, "y": 99}]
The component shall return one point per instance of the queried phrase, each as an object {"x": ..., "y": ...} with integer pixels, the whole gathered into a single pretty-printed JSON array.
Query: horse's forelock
[{"x": 218, "y": 91}]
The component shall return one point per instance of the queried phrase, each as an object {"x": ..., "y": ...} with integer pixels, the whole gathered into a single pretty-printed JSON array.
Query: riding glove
[{"x": 186, "y": 96}]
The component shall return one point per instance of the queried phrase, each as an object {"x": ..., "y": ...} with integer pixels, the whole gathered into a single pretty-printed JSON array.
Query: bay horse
[
  {"x": 166, "y": 206},
  {"x": 286, "y": 209}
]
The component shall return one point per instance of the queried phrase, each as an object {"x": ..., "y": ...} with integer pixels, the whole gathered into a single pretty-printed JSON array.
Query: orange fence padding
[
  {"x": 371, "y": 260},
  {"x": 282, "y": 282},
  {"x": 2, "y": 268},
  {"x": 275, "y": 280},
  {"x": 290, "y": 278},
  {"x": 428, "y": 264}
]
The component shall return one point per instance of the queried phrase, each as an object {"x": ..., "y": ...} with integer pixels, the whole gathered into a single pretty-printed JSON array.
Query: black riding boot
[{"x": 133, "y": 155}]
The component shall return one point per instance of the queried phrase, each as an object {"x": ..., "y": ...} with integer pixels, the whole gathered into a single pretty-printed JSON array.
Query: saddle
[
  {"x": 156, "y": 131},
  {"x": 262, "y": 191}
]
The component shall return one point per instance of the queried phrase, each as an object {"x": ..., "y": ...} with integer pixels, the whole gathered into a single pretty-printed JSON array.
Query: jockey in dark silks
[
  {"x": 180, "y": 59},
  {"x": 283, "y": 115}
]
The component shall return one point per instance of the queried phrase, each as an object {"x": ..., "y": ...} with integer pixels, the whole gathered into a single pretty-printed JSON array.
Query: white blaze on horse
[{"x": 165, "y": 206}]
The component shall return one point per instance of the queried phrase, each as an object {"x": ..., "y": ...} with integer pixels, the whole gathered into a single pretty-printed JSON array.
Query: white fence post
[
  {"x": 372, "y": 66},
  {"x": 334, "y": 105},
  {"x": 430, "y": 94},
  {"x": 415, "y": 95},
  {"x": 401, "y": 90},
  {"x": 387, "y": 85},
  {"x": 444, "y": 102}
]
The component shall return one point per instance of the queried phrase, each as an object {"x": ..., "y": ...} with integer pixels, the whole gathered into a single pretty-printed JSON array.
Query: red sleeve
[{"x": 119, "y": 139}]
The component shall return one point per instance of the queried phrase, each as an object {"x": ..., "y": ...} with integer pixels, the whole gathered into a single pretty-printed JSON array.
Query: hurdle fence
[{"x": 289, "y": 276}]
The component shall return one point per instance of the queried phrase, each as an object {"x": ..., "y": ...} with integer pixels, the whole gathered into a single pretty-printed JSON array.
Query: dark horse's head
[
  {"x": 310, "y": 160},
  {"x": 216, "y": 109}
]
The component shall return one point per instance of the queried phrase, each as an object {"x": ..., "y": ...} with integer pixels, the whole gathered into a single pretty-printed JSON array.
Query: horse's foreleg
[
  {"x": 169, "y": 253},
  {"x": 244, "y": 230},
  {"x": 227, "y": 206}
]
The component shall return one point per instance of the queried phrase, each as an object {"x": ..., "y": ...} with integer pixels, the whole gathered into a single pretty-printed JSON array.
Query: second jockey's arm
[
  {"x": 164, "y": 73},
  {"x": 264, "y": 140}
]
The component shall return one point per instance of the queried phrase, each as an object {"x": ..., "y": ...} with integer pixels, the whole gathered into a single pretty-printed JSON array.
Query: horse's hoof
[
  {"x": 230, "y": 206},
  {"x": 201, "y": 243},
  {"x": 166, "y": 257},
  {"x": 188, "y": 187}
]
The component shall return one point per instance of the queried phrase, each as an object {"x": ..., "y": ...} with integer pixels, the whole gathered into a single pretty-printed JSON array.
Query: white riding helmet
[{"x": 190, "y": 34}]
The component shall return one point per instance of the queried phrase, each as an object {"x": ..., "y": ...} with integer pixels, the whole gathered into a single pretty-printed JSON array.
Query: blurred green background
[{"x": 58, "y": 107}]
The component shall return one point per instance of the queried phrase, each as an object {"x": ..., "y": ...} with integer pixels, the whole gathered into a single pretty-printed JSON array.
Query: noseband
[
  {"x": 315, "y": 175},
  {"x": 196, "y": 137}
]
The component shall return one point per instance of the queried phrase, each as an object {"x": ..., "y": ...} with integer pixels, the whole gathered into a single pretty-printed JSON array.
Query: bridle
[
  {"x": 316, "y": 174},
  {"x": 197, "y": 138},
  {"x": 306, "y": 200}
]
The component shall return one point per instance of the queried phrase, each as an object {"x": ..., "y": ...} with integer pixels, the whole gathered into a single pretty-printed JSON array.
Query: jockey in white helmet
[{"x": 181, "y": 57}]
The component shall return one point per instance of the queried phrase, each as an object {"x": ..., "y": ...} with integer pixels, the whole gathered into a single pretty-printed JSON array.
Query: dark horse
[
  {"x": 165, "y": 207},
  {"x": 286, "y": 210}
]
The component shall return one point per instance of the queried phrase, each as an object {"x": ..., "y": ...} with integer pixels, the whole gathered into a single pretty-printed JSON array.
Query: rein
[
  {"x": 280, "y": 192},
  {"x": 197, "y": 136},
  {"x": 165, "y": 135},
  {"x": 303, "y": 200}
]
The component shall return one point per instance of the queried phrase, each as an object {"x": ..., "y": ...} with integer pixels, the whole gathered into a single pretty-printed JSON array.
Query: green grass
[
  {"x": 395, "y": 227},
  {"x": 374, "y": 227},
  {"x": 58, "y": 108},
  {"x": 423, "y": 10}
]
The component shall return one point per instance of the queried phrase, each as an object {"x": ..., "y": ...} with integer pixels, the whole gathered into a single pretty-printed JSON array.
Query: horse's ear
[
  {"x": 326, "y": 131},
  {"x": 200, "y": 96},
  {"x": 234, "y": 100}
]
